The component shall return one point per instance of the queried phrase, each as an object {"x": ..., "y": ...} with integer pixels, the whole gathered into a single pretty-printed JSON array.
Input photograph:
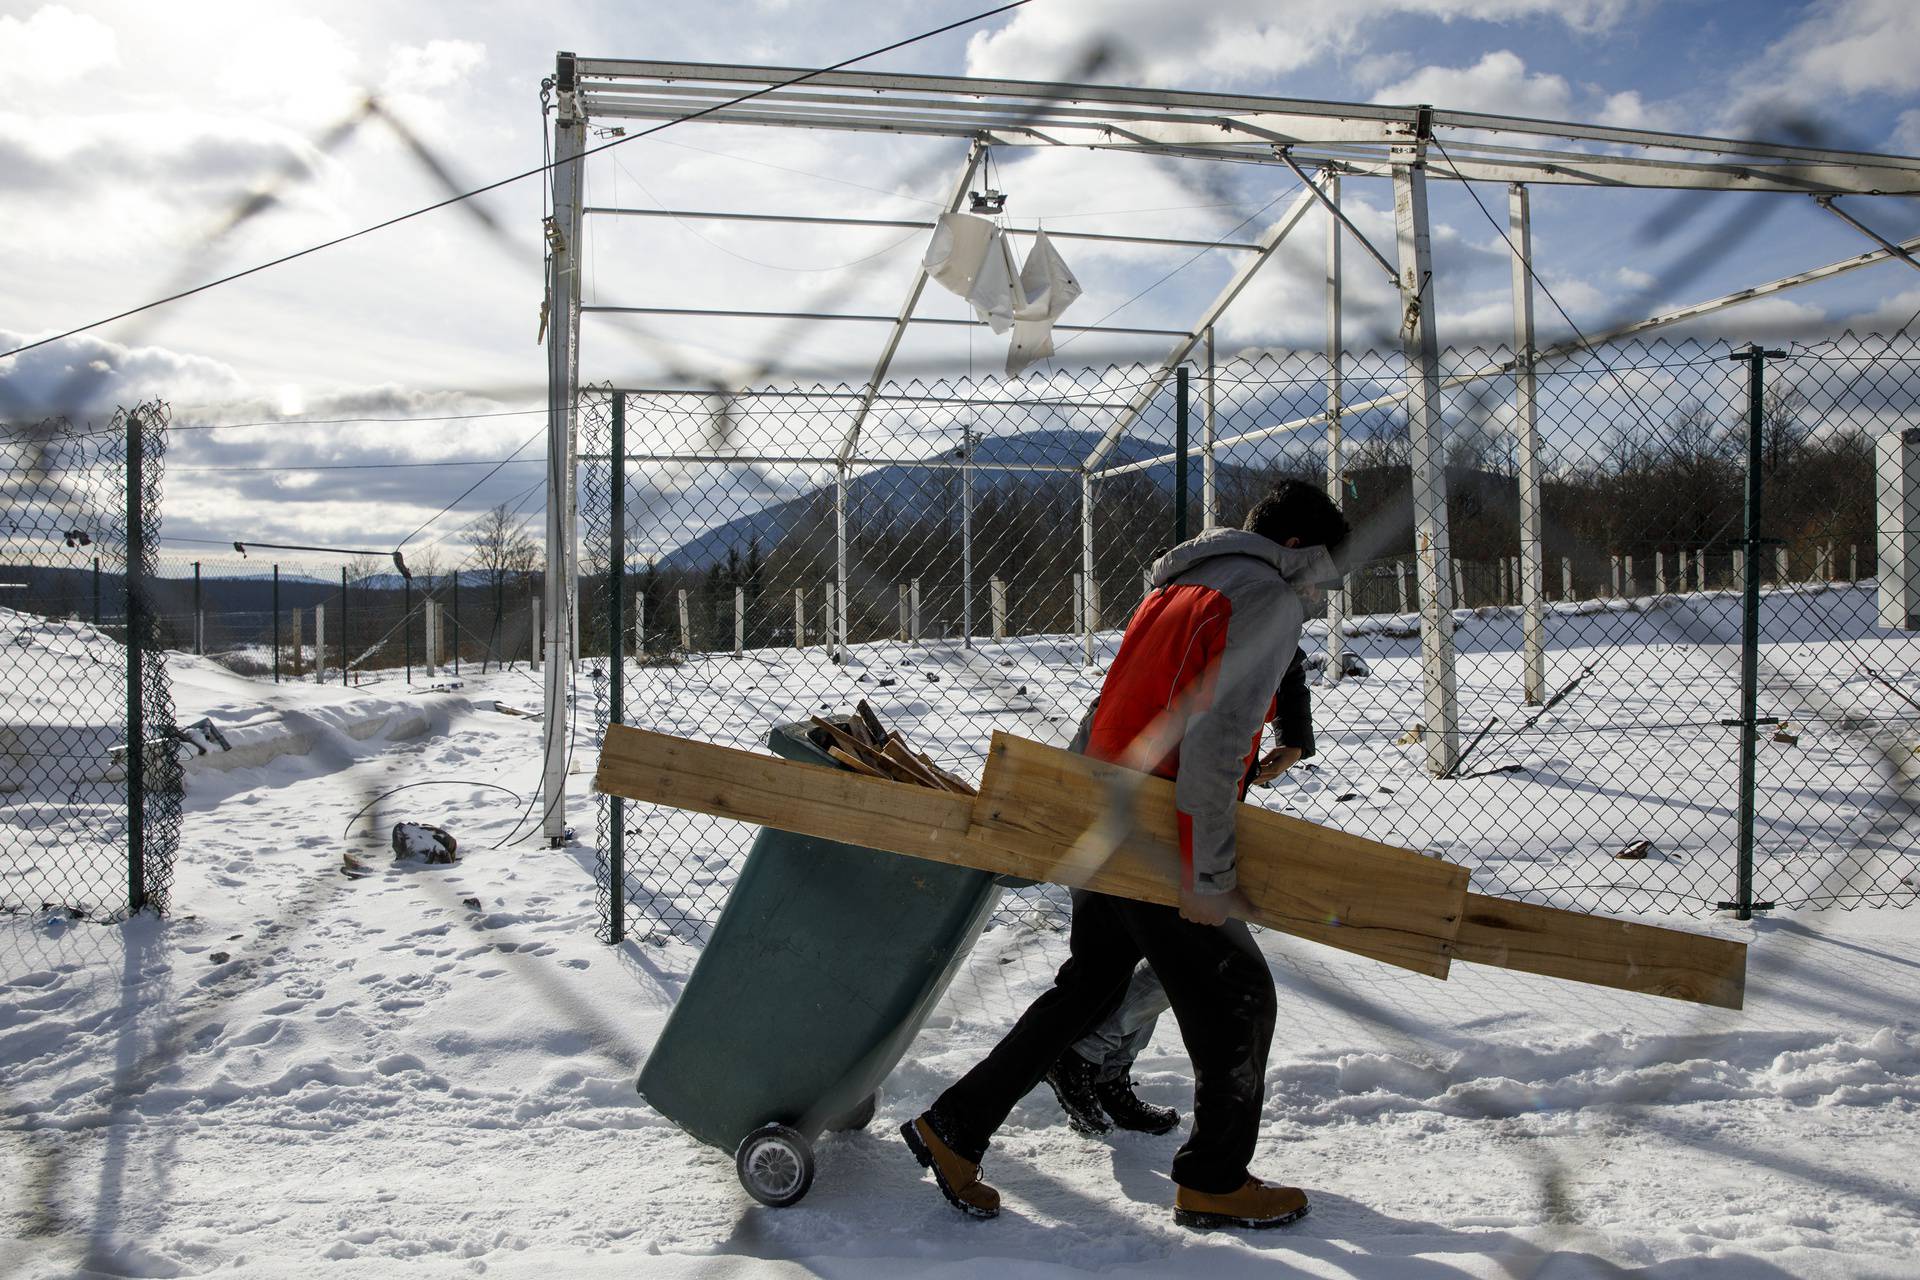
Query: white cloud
[
  {"x": 437, "y": 64},
  {"x": 53, "y": 46},
  {"x": 1498, "y": 83},
  {"x": 1229, "y": 41},
  {"x": 1628, "y": 110},
  {"x": 1906, "y": 133},
  {"x": 1856, "y": 46}
]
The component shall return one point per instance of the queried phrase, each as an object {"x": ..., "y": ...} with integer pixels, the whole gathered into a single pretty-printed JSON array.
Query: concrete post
[
  {"x": 1337, "y": 597},
  {"x": 1659, "y": 573},
  {"x": 430, "y": 616},
  {"x": 799, "y": 617},
  {"x": 1209, "y": 499},
  {"x": 1616, "y": 577},
  {"x": 997, "y": 591},
  {"x": 900, "y": 591},
  {"x": 840, "y": 560},
  {"x": 533, "y": 644},
  {"x": 913, "y": 612},
  {"x": 1566, "y": 578},
  {"x": 686, "y": 624},
  {"x": 1400, "y": 576},
  {"x": 1632, "y": 587},
  {"x": 319, "y": 644},
  {"x": 1533, "y": 642},
  {"x": 739, "y": 622},
  {"x": 1853, "y": 562},
  {"x": 1781, "y": 574},
  {"x": 1700, "y": 568}
]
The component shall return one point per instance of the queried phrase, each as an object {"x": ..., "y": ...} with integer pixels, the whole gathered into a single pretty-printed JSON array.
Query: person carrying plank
[
  {"x": 1186, "y": 698},
  {"x": 1093, "y": 1079}
]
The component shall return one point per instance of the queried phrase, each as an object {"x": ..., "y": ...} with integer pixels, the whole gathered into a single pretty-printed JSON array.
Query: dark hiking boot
[
  {"x": 957, "y": 1177},
  {"x": 1256, "y": 1205},
  {"x": 1125, "y": 1108},
  {"x": 1072, "y": 1078}
]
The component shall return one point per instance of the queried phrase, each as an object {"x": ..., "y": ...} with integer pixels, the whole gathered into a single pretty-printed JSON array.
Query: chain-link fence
[
  {"x": 1536, "y": 667},
  {"x": 90, "y": 782}
]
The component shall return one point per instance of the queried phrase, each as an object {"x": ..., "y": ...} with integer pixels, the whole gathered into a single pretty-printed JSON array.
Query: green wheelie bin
[{"x": 824, "y": 965}]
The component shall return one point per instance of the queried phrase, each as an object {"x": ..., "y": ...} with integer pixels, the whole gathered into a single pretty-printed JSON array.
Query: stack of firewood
[{"x": 868, "y": 747}]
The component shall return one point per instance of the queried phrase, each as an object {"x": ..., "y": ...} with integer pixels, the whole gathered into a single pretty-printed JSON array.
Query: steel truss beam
[
  {"x": 727, "y": 313},
  {"x": 1572, "y": 346},
  {"x": 904, "y": 224}
]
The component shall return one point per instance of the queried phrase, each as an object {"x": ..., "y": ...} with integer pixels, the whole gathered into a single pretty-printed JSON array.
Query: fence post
[
  {"x": 913, "y": 612},
  {"x": 966, "y": 536},
  {"x": 997, "y": 603},
  {"x": 533, "y": 631},
  {"x": 900, "y": 610},
  {"x": 1180, "y": 454},
  {"x": 1616, "y": 577},
  {"x": 199, "y": 621},
  {"x": 431, "y": 625},
  {"x": 1781, "y": 574},
  {"x": 136, "y": 644},
  {"x": 799, "y": 617},
  {"x": 1079, "y": 602},
  {"x": 1743, "y": 904},
  {"x": 96, "y": 593},
  {"x": 739, "y": 622},
  {"x": 406, "y": 621},
  {"x": 1853, "y": 562},
  {"x": 346, "y": 659},
  {"x": 1566, "y": 578},
  {"x": 1533, "y": 585},
  {"x": 1209, "y": 497},
  {"x": 295, "y": 651},
  {"x": 1700, "y": 568},
  {"x": 1740, "y": 568},
  {"x": 456, "y": 622},
  {"x": 616, "y": 671},
  {"x": 686, "y": 627},
  {"x": 276, "y": 624},
  {"x": 1400, "y": 573},
  {"x": 319, "y": 644},
  {"x": 1086, "y": 561},
  {"x": 1336, "y": 391},
  {"x": 840, "y": 560}
]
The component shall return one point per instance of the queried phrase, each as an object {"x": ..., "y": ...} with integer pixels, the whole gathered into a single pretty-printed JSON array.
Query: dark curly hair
[{"x": 1293, "y": 509}]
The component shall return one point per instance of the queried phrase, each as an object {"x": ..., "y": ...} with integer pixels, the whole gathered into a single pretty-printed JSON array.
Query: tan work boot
[
  {"x": 957, "y": 1177},
  {"x": 1256, "y": 1205}
]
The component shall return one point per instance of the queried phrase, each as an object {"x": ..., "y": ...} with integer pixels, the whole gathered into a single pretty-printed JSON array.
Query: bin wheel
[
  {"x": 858, "y": 1118},
  {"x": 775, "y": 1165}
]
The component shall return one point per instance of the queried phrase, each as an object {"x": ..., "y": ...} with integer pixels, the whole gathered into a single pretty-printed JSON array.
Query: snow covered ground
[{"x": 429, "y": 1069}]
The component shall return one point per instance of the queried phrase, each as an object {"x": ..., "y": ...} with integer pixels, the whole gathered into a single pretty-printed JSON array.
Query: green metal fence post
[
  {"x": 136, "y": 716},
  {"x": 616, "y": 665},
  {"x": 1180, "y": 454},
  {"x": 276, "y": 624},
  {"x": 1743, "y": 905}
]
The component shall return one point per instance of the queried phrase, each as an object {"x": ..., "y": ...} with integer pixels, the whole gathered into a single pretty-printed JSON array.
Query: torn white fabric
[
  {"x": 958, "y": 247},
  {"x": 1047, "y": 285},
  {"x": 996, "y": 290},
  {"x": 1047, "y": 288}
]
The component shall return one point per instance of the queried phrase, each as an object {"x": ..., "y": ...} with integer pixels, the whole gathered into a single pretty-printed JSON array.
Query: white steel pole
[
  {"x": 1336, "y": 598},
  {"x": 1533, "y": 677},
  {"x": 840, "y": 560},
  {"x": 1209, "y": 497},
  {"x": 966, "y": 536},
  {"x": 534, "y": 638},
  {"x": 1440, "y": 704},
  {"x": 1086, "y": 564},
  {"x": 319, "y": 644},
  {"x": 432, "y": 619},
  {"x": 997, "y": 591},
  {"x": 739, "y": 622},
  {"x": 563, "y": 375},
  {"x": 913, "y": 612}
]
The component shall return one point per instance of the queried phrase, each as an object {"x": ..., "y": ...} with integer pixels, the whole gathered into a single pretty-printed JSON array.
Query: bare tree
[{"x": 502, "y": 549}]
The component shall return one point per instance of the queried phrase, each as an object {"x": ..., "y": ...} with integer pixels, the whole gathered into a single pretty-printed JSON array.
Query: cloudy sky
[{"x": 130, "y": 133}]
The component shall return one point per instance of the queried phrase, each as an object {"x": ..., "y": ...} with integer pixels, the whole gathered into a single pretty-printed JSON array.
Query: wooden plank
[
  {"x": 1311, "y": 881},
  {"x": 924, "y": 823},
  {"x": 854, "y": 763},
  {"x": 1609, "y": 953}
]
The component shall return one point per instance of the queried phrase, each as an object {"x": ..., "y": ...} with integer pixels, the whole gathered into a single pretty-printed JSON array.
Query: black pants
[{"x": 1222, "y": 995}]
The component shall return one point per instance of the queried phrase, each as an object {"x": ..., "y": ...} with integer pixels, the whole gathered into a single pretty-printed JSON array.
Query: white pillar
[
  {"x": 1781, "y": 574},
  {"x": 739, "y": 621},
  {"x": 1739, "y": 569},
  {"x": 686, "y": 624},
  {"x": 900, "y": 608},
  {"x": 1533, "y": 577},
  {"x": 200, "y": 631},
  {"x": 1682, "y": 553},
  {"x": 1616, "y": 577},
  {"x": 840, "y": 559},
  {"x": 431, "y": 616},
  {"x": 1336, "y": 474},
  {"x": 639, "y": 624},
  {"x": 563, "y": 381},
  {"x": 997, "y": 591},
  {"x": 1209, "y": 499},
  {"x": 799, "y": 617},
  {"x": 966, "y": 537},
  {"x": 1632, "y": 588},
  {"x": 1440, "y": 706},
  {"x": 319, "y": 644},
  {"x": 1086, "y": 563},
  {"x": 1566, "y": 578},
  {"x": 913, "y": 612},
  {"x": 299, "y": 661},
  {"x": 1400, "y": 576},
  {"x": 1659, "y": 573},
  {"x": 1700, "y": 568},
  {"x": 1853, "y": 562},
  {"x": 533, "y": 640}
]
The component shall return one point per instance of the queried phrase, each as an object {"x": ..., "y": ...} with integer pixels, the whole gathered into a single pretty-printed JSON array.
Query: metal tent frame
[{"x": 1337, "y": 140}]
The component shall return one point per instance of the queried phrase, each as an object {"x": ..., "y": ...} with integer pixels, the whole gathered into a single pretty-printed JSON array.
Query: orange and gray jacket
[{"x": 1199, "y": 673}]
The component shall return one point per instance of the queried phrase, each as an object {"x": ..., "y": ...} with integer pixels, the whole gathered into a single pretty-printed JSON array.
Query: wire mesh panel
[
  {"x": 1568, "y": 725},
  {"x": 74, "y": 598}
]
